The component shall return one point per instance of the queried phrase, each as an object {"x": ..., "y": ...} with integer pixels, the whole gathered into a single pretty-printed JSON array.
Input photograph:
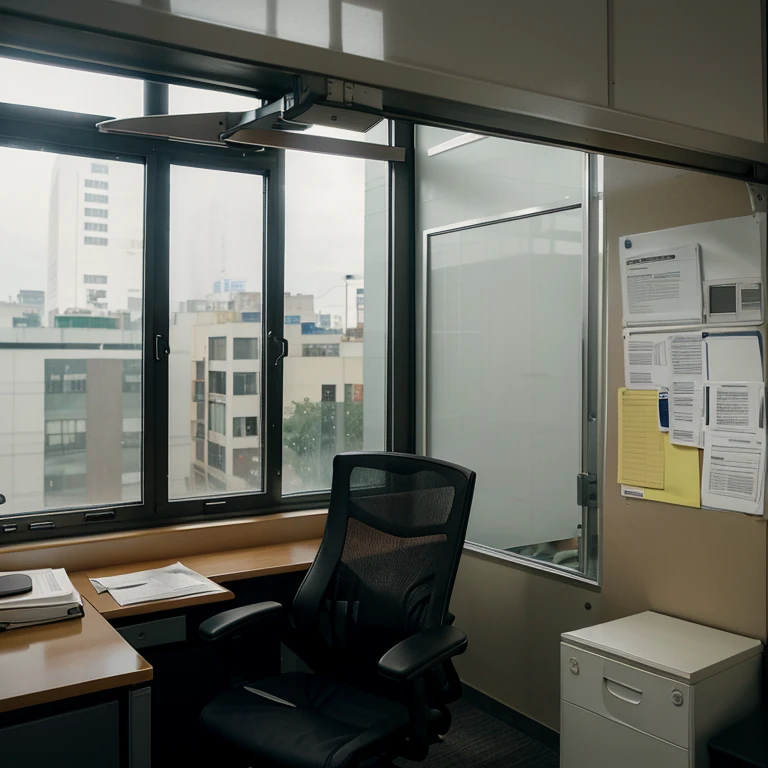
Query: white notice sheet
[
  {"x": 686, "y": 397},
  {"x": 159, "y": 584},
  {"x": 734, "y": 357},
  {"x": 645, "y": 361},
  {"x": 734, "y": 472},
  {"x": 662, "y": 287},
  {"x": 735, "y": 406}
]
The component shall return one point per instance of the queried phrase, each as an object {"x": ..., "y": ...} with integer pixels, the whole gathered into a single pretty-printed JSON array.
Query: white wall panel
[{"x": 693, "y": 62}]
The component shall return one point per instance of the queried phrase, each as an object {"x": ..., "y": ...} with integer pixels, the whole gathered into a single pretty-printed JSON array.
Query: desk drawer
[
  {"x": 590, "y": 741},
  {"x": 650, "y": 703},
  {"x": 158, "y": 632}
]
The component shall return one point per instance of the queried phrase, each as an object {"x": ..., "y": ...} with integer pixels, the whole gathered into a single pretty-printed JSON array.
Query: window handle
[
  {"x": 161, "y": 347},
  {"x": 283, "y": 350}
]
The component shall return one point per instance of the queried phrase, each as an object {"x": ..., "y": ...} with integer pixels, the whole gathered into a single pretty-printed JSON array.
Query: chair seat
[{"x": 302, "y": 720}]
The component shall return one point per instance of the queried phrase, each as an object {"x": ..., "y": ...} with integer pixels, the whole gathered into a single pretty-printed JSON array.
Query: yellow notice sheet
[
  {"x": 641, "y": 447},
  {"x": 682, "y": 483}
]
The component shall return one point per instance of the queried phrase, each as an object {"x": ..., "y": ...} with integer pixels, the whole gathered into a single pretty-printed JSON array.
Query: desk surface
[
  {"x": 220, "y": 567},
  {"x": 51, "y": 662}
]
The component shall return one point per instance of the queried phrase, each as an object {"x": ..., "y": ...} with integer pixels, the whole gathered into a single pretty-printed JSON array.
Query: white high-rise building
[{"x": 96, "y": 226}]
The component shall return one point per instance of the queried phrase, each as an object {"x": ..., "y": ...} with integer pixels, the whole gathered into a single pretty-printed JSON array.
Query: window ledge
[
  {"x": 182, "y": 540},
  {"x": 528, "y": 563}
]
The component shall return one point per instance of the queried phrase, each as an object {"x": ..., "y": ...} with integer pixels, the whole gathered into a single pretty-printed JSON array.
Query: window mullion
[
  {"x": 156, "y": 400},
  {"x": 273, "y": 292}
]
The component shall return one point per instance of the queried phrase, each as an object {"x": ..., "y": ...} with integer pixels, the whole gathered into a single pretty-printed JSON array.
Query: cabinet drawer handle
[{"x": 624, "y": 692}]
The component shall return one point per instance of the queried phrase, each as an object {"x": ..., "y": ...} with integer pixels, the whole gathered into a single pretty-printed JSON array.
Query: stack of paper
[
  {"x": 159, "y": 584},
  {"x": 711, "y": 393},
  {"x": 53, "y": 598}
]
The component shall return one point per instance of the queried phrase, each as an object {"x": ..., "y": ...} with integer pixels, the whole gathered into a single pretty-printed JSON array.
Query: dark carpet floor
[{"x": 479, "y": 740}]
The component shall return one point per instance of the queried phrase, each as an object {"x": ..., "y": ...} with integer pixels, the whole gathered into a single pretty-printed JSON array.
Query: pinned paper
[
  {"x": 682, "y": 484},
  {"x": 641, "y": 445}
]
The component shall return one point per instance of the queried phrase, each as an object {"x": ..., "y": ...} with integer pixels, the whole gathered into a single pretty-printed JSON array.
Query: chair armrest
[
  {"x": 420, "y": 653},
  {"x": 229, "y": 622}
]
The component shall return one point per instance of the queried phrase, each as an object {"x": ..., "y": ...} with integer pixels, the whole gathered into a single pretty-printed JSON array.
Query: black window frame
[{"x": 65, "y": 133}]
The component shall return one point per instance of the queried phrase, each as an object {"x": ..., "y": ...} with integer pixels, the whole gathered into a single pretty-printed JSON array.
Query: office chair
[{"x": 370, "y": 619}]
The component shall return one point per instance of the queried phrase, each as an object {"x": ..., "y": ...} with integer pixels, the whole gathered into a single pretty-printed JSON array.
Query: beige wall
[
  {"x": 701, "y": 565},
  {"x": 698, "y": 564}
]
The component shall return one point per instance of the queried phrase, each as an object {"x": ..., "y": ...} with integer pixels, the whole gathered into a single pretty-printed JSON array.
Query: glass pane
[
  {"x": 183, "y": 100},
  {"x": 71, "y": 359},
  {"x": 505, "y": 376},
  {"x": 335, "y": 311},
  {"x": 216, "y": 304},
  {"x": 41, "y": 85}
]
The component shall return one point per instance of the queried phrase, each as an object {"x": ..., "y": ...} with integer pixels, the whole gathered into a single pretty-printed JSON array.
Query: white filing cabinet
[{"x": 649, "y": 691}]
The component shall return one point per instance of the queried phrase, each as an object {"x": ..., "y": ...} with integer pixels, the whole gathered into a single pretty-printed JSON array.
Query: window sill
[
  {"x": 540, "y": 567},
  {"x": 178, "y": 541}
]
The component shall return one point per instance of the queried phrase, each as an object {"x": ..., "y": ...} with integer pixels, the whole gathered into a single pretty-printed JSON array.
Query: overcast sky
[{"x": 216, "y": 217}]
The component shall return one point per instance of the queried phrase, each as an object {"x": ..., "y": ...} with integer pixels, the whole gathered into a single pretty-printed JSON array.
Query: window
[
  {"x": 325, "y": 312},
  {"x": 245, "y": 349},
  {"x": 245, "y": 426},
  {"x": 245, "y": 384},
  {"x": 328, "y": 394},
  {"x": 95, "y": 295},
  {"x": 75, "y": 354},
  {"x": 61, "y": 436},
  {"x": 67, "y": 380},
  {"x": 183, "y": 100},
  {"x": 353, "y": 393},
  {"x": 217, "y": 457},
  {"x": 320, "y": 350},
  {"x": 215, "y": 288},
  {"x": 245, "y": 463},
  {"x": 89, "y": 93},
  {"x": 65, "y": 376},
  {"x": 217, "y": 417},
  {"x": 505, "y": 375},
  {"x": 217, "y": 348},
  {"x": 217, "y": 382},
  {"x": 132, "y": 376}
]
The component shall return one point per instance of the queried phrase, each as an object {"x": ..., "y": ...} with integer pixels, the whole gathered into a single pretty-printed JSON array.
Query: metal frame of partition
[{"x": 592, "y": 319}]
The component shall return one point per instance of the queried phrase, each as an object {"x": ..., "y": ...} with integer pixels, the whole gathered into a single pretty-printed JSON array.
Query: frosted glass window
[{"x": 504, "y": 366}]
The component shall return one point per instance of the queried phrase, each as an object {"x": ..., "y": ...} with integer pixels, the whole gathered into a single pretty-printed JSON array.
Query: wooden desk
[
  {"x": 221, "y": 567},
  {"x": 70, "y": 658}
]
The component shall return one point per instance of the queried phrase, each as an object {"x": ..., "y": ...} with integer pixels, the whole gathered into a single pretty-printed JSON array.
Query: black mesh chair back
[{"x": 387, "y": 562}]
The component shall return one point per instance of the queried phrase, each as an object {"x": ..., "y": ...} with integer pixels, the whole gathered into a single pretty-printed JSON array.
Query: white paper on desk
[
  {"x": 686, "y": 389},
  {"x": 645, "y": 361},
  {"x": 735, "y": 406},
  {"x": 661, "y": 287},
  {"x": 157, "y": 584},
  {"x": 734, "y": 358},
  {"x": 734, "y": 472}
]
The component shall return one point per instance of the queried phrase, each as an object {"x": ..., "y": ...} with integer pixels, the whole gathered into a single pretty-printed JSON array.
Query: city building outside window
[
  {"x": 217, "y": 382},
  {"x": 245, "y": 349},
  {"x": 245, "y": 426},
  {"x": 245, "y": 384},
  {"x": 217, "y": 348}
]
